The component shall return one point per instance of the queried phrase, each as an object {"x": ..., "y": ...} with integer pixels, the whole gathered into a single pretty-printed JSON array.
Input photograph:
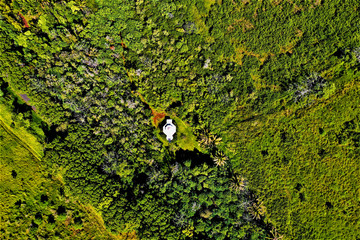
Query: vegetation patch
[
  {"x": 264, "y": 95},
  {"x": 26, "y": 210}
]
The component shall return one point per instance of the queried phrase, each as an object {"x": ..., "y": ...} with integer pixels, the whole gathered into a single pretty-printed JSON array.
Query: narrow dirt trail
[{"x": 20, "y": 140}]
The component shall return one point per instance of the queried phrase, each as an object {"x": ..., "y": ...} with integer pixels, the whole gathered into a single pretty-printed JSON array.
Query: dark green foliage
[
  {"x": 269, "y": 87},
  {"x": 33, "y": 202},
  {"x": 202, "y": 199},
  {"x": 102, "y": 134}
]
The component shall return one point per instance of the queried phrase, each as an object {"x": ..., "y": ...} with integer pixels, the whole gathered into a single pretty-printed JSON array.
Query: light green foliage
[
  {"x": 33, "y": 202},
  {"x": 23, "y": 125},
  {"x": 308, "y": 161},
  {"x": 267, "y": 89}
]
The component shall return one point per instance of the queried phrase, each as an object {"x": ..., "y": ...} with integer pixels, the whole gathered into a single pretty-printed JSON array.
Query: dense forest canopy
[{"x": 264, "y": 95}]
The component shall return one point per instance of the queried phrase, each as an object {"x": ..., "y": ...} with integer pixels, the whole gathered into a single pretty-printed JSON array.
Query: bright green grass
[
  {"x": 183, "y": 139},
  {"x": 19, "y": 130},
  {"x": 304, "y": 163},
  {"x": 16, "y": 161},
  {"x": 30, "y": 196}
]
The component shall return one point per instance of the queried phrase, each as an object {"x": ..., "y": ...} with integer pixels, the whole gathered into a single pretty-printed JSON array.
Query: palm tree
[
  {"x": 238, "y": 184},
  {"x": 220, "y": 159},
  {"x": 208, "y": 139}
]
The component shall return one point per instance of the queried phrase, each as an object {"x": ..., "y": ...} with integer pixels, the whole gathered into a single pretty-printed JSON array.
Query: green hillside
[{"x": 34, "y": 204}]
